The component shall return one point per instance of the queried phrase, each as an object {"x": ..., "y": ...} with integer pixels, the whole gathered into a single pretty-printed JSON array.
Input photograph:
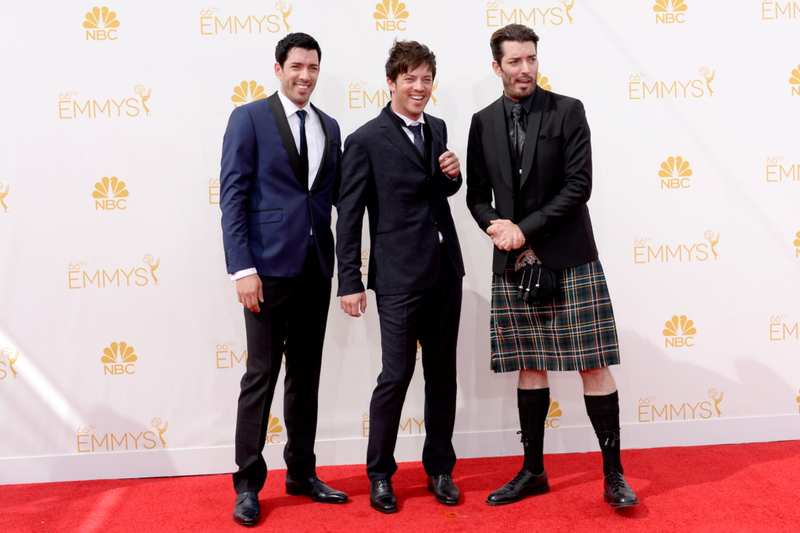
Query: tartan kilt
[{"x": 575, "y": 331}]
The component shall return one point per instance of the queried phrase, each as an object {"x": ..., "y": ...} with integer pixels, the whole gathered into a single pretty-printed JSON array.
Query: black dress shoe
[
  {"x": 381, "y": 496},
  {"x": 617, "y": 492},
  {"x": 444, "y": 489},
  {"x": 315, "y": 489},
  {"x": 247, "y": 511},
  {"x": 524, "y": 484}
]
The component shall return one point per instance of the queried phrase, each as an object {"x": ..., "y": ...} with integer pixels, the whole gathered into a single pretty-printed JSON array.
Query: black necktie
[
  {"x": 418, "y": 142},
  {"x": 303, "y": 145},
  {"x": 517, "y": 131}
]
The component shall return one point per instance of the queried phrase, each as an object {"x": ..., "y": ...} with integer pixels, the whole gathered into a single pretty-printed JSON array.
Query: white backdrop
[{"x": 112, "y": 125}]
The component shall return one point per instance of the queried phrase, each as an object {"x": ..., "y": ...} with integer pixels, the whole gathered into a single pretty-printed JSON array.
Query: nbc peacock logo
[
  {"x": 274, "y": 429},
  {"x": 678, "y": 332},
  {"x": 798, "y": 401},
  {"x": 110, "y": 194},
  {"x": 101, "y": 24},
  {"x": 670, "y": 11},
  {"x": 543, "y": 82},
  {"x": 553, "y": 414},
  {"x": 390, "y": 15},
  {"x": 118, "y": 359},
  {"x": 3, "y": 194},
  {"x": 794, "y": 81},
  {"x": 247, "y": 92},
  {"x": 12, "y": 358},
  {"x": 675, "y": 173},
  {"x": 797, "y": 245}
]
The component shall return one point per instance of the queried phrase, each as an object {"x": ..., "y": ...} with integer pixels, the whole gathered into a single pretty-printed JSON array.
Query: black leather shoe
[
  {"x": 617, "y": 492},
  {"x": 381, "y": 496},
  {"x": 444, "y": 489},
  {"x": 524, "y": 484},
  {"x": 315, "y": 489},
  {"x": 247, "y": 511}
]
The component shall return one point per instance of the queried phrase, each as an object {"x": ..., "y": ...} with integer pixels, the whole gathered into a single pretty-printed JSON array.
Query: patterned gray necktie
[
  {"x": 418, "y": 142},
  {"x": 517, "y": 131}
]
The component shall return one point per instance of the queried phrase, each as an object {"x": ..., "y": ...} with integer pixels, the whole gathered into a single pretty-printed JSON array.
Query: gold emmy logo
[
  {"x": 678, "y": 332},
  {"x": 418, "y": 425},
  {"x": 712, "y": 393},
  {"x": 245, "y": 92},
  {"x": 109, "y": 194},
  {"x": 774, "y": 10},
  {"x": 670, "y": 11},
  {"x": 285, "y": 12},
  {"x": 118, "y": 359},
  {"x": 100, "y": 23},
  {"x": 273, "y": 430},
  {"x": 794, "y": 81},
  {"x": 797, "y": 245},
  {"x": 390, "y": 15},
  {"x": 568, "y": 4},
  {"x": 213, "y": 191},
  {"x": 543, "y": 82},
  {"x": 775, "y": 167},
  {"x": 148, "y": 260},
  {"x": 641, "y": 88},
  {"x": 139, "y": 89},
  {"x": 226, "y": 357},
  {"x": 359, "y": 98},
  {"x": 499, "y": 13},
  {"x": 156, "y": 423},
  {"x": 3, "y": 195},
  {"x": 708, "y": 75},
  {"x": 713, "y": 240},
  {"x": 780, "y": 329},
  {"x": 69, "y": 107},
  {"x": 9, "y": 354},
  {"x": 675, "y": 173},
  {"x": 433, "y": 90},
  {"x": 552, "y": 415}
]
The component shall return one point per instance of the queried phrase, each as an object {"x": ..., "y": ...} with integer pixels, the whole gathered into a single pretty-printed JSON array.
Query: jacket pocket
[{"x": 266, "y": 216}]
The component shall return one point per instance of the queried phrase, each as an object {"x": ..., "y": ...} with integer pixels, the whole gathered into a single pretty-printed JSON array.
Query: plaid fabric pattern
[{"x": 576, "y": 331}]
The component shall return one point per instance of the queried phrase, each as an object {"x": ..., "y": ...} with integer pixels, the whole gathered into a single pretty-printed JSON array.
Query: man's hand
[
  {"x": 449, "y": 164},
  {"x": 353, "y": 303},
  {"x": 506, "y": 235},
  {"x": 250, "y": 292}
]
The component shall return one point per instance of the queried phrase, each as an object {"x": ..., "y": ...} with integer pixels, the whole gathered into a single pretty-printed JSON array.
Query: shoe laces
[{"x": 615, "y": 479}]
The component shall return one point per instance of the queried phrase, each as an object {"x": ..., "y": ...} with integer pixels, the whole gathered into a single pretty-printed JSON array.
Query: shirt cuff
[{"x": 243, "y": 274}]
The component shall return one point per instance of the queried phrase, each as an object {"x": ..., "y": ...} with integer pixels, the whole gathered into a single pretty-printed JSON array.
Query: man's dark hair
[
  {"x": 405, "y": 56},
  {"x": 512, "y": 32},
  {"x": 295, "y": 40}
]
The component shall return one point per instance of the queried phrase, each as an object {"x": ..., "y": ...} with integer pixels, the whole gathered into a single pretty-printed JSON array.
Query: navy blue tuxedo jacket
[
  {"x": 406, "y": 197},
  {"x": 267, "y": 208}
]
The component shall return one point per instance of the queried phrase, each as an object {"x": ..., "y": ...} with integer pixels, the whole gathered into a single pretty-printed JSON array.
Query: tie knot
[
  {"x": 416, "y": 129},
  {"x": 302, "y": 114},
  {"x": 516, "y": 111}
]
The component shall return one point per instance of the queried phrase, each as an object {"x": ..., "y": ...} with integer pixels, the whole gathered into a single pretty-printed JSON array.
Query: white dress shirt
[{"x": 315, "y": 139}]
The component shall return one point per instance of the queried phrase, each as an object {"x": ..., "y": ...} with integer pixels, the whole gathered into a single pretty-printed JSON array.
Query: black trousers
[
  {"x": 294, "y": 312},
  {"x": 430, "y": 317}
]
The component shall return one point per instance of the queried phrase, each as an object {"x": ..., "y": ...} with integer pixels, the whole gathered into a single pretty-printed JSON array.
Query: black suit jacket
[
  {"x": 406, "y": 197},
  {"x": 555, "y": 183}
]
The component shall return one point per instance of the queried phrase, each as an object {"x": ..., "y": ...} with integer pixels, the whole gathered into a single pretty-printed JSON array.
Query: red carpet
[{"x": 735, "y": 488}]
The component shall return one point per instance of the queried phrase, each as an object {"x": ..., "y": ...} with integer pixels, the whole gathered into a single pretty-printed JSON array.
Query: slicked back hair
[{"x": 513, "y": 32}]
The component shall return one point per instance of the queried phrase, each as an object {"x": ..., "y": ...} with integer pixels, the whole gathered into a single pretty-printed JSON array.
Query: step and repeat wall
[{"x": 122, "y": 338}]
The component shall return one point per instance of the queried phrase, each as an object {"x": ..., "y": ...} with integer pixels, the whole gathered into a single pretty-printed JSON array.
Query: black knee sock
[
  {"x": 533, "y": 405},
  {"x": 603, "y": 411}
]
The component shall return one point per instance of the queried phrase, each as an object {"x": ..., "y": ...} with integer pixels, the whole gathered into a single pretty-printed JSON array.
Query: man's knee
[{"x": 533, "y": 379}]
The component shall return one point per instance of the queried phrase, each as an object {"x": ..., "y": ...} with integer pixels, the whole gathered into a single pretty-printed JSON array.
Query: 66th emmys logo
[
  {"x": 81, "y": 277},
  {"x": 780, "y": 10},
  {"x": 211, "y": 23},
  {"x": 247, "y": 92},
  {"x": 641, "y": 88},
  {"x": 675, "y": 173},
  {"x": 390, "y": 15},
  {"x": 782, "y": 329},
  {"x": 228, "y": 358},
  {"x": 110, "y": 194},
  {"x": 670, "y": 11},
  {"x": 650, "y": 410},
  {"x": 101, "y": 24},
  {"x": 500, "y": 13},
  {"x": 645, "y": 252},
  {"x": 360, "y": 95},
  {"x": 118, "y": 359},
  {"x": 70, "y": 108},
  {"x": 90, "y": 441},
  {"x": 3, "y": 194},
  {"x": 779, "y": 171},
  {"x": 11, "y": 357},
  {"x": 678, "y": 332}
]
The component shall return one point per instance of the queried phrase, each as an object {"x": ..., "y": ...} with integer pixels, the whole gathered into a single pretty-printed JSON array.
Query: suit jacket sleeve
[
  {"x": 577, "y": 188},
  {"x": 479, "y": 187},
  {"x": 355, "y": 177},
  {"x": 450, "y": 186},
  {"x": 237, "y": 171}
]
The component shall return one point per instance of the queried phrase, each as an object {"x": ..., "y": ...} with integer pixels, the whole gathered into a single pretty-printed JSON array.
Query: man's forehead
[
  {"x": 518, "y": 49},
  {"x": 302, "y": 55}
]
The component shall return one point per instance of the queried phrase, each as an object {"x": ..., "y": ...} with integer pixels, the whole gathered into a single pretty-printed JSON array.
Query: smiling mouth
[{"x": 417, "y": 97}]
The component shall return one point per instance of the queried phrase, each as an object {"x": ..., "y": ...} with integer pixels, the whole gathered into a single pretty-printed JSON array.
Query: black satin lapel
[
  {"x": 532, "y": 133},
  {"x": 286, "y": 135},
  {"x": 397, "y": 137},
  {"x": 501, "y": 136},
  {"x": 323, "y": 167}
]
